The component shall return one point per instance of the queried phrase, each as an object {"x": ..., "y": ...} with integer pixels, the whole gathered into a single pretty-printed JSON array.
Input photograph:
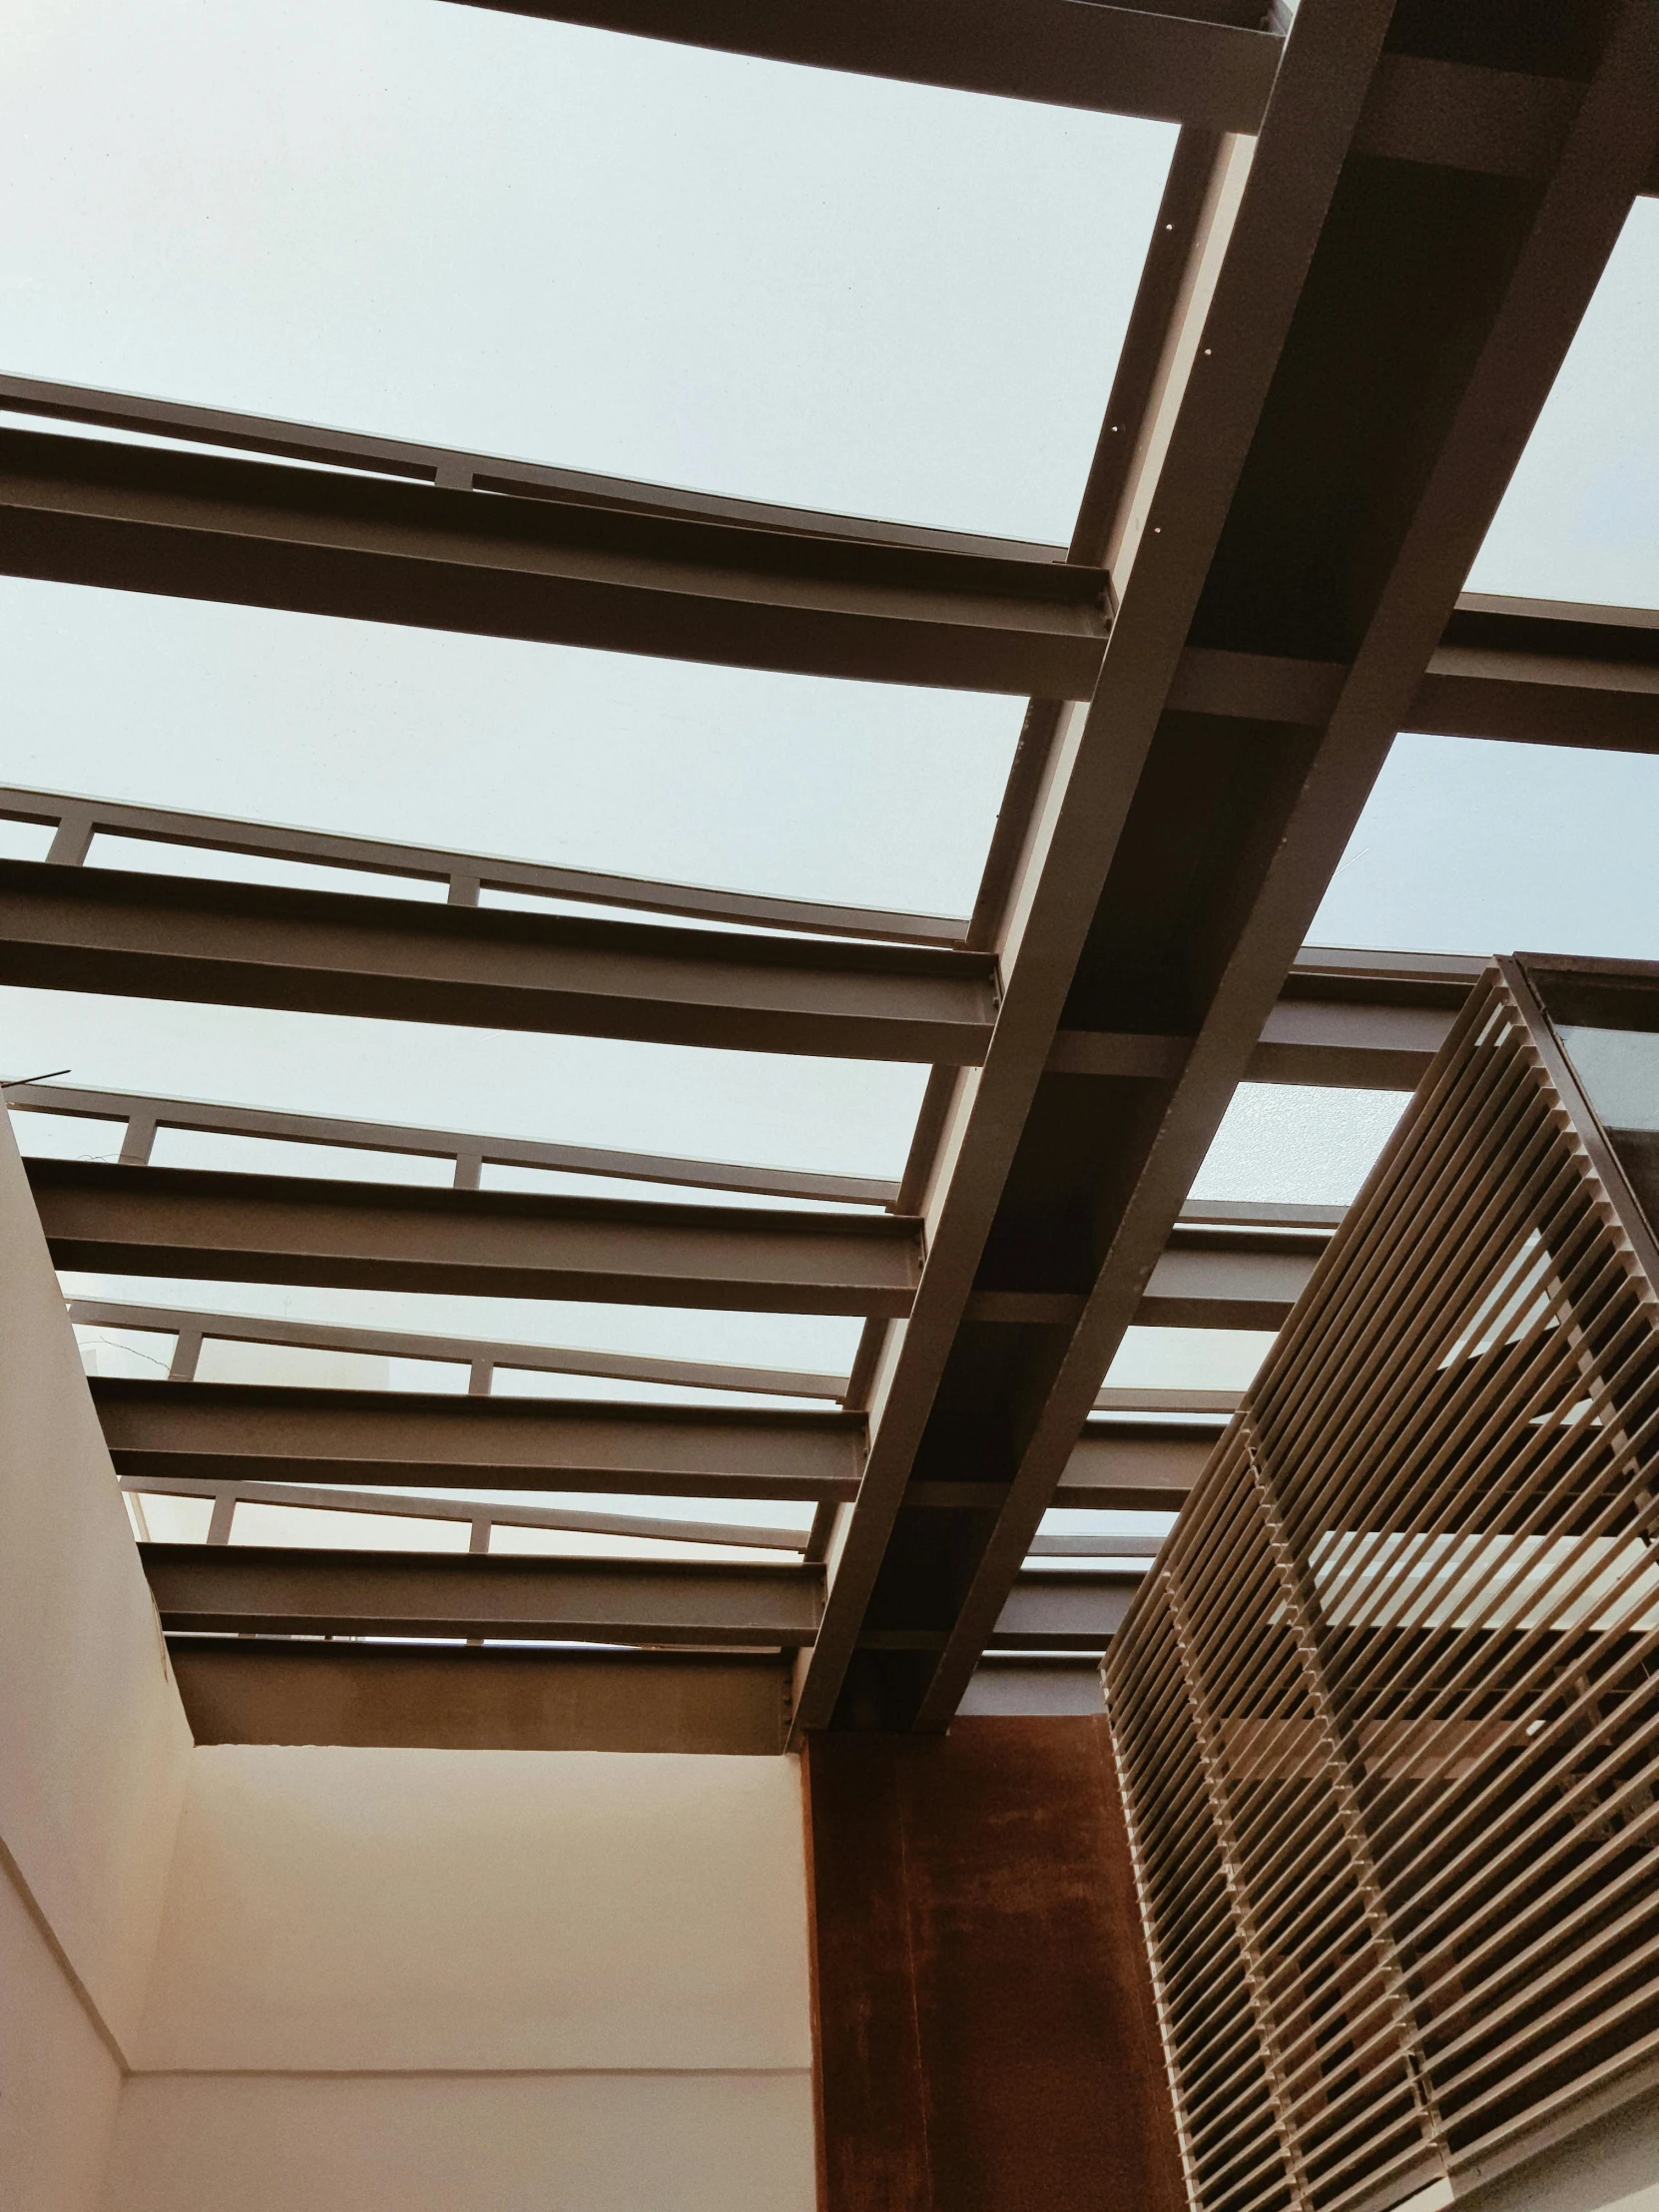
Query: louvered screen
[{"x": 1387, "y": 1708}]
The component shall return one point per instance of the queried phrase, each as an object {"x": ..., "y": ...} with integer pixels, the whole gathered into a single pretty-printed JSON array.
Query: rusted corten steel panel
[
  {"x": 506, "y": 1243},
  {"x": 335, "y": 953},
  {"x": 983, "y": 2029},
  {"x": 260, "y": 1432},
  {"x": 273, "y": 1690}
]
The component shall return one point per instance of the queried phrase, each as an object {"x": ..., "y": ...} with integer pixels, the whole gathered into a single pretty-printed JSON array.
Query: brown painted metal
[
  {"x": 984, "y": 2032},
  {"x": 273, "y": 1690},
  {"x": 1342, "y": 540},
  {"x": 273, "y": 1589},
  {"x": 262, "y": 1432},
  {"x": 228, "y": 1494},
  {"x": 454, "y": 468},
  {"x": 146, "y": 1115},
  {"x": 194, "y": 1221},
  {"x": 315, "y": 541},
  {"x": 77, "y": 820},
  {"x": 1207, "y": 63},
  {"x": 159, "y": 936},
  {"x": 486, "y": 1357}
]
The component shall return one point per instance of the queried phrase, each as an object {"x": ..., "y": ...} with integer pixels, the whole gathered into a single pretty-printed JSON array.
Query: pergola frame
[{"x": 1378, "y": 239}]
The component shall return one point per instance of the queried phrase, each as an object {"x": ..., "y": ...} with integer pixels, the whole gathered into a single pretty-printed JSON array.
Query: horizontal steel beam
[
  {"x": 333, "y": 953},
  {"x": 147, "y": 1115},
  {"x": 483, "y": 1357},
  {"x": 1357, "y": 1019},
  {"x": 1133, "y": 1467},
  {"x": 1215, "y": 71},
  {"x": 554, "y": 571},
  {"x": 76, "y": 820},
  {"x": 1049, "y": 1610},
  {"x": 275, "y": 1690},
  {"x": 377, "y": 1236},
  {"x": 271, "y": 1589},
  {"x": 1029, "y": 1687},
  {"x": 1227, "y": 1280},
  {"x": 457, "y": 468},
  {"x": 482, "y": 1519},
  {"x": 229, "y": 1431},
  {"x": 1524, "y": 671}
]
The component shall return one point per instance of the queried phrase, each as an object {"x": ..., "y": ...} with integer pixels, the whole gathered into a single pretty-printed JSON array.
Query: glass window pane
[
  {"x": 448, "y": 224},
  {"x": 1470, "y": 846},
  {"x": 861, "y": 793},
  {"x": 1578, "y": 519}
]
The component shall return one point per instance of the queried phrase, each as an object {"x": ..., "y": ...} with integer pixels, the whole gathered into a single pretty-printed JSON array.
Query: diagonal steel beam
[
  {"x": 1206, "y": 62},
  {"x": 1177, "y": 856}
]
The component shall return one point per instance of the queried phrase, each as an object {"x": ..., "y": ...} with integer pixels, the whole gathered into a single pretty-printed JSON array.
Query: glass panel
[
  {"x": 844, "y": 1116},
  {"x": 1577, "y": 520},
  {"x": 800, "y": 1342},
  {"x": 860, "y": 793},
  {"x": 608, "y": 252},
  {"x": 1293, "y": 1144},
  {"x": 1620, "y": 1070},
  {"x": 1471, "y": 846}
]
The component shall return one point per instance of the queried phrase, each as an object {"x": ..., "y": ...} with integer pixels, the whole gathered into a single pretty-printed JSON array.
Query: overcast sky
[{"x": 428, "y": 221}]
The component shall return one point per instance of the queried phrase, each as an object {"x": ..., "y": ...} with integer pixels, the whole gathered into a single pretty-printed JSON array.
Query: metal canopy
[{"x": 1379, "y": 231}]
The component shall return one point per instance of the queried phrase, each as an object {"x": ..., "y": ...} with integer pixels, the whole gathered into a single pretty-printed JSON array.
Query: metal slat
[{"x": 1434, "y": 1726}]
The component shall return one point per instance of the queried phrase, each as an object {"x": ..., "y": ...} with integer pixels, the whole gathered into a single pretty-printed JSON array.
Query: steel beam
[
  {"x": 1208, "y": 64},
  {"x": 259, "y": 1432},
  {"x": 146, "y": 1115},
  {"x": 76, "y": 820},
  {"x": 278, "y": 1690},
  {"x": 384, "y": 1235},
  {"x": 313, "y": 541},
  {"x": 1521, "y": 671},
  {"x": 333, "y": 953},
  {"x": 1357, "y": 1019},
  {"x": 1179, "y": 854},
  {"x": 271, "y": 1590}
]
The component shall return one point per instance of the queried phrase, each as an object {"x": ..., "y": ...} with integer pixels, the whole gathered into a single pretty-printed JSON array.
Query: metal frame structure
[
  {"x": 1380, "y": 229},
  {"x": 1385, "y": 1708}
]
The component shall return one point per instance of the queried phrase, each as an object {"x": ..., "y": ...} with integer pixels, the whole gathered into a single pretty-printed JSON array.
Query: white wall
[
  {"x": 443, "y": 1980},
  {"x": 59, "y": 2082},
  {"x": 1612, "y": 2165},
  {"x": 94, "y": 1746}
]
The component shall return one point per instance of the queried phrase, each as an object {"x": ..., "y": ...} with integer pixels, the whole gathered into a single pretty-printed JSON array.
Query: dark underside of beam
[
  {"x": 136, "y": 935},
  {"x": 256, "y": 1432},
  {"x": 266, "y": 534},
  {"x": 271, "y": 1690},
  {"x": 203, "y": 1224},
  {"x": 1207, "y": 63}
]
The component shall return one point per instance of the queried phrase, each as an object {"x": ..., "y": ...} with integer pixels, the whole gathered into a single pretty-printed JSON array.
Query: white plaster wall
[
  {"x": 338, "y": 1908},
  {"x": 94, "y": 1747},
  {"x": 59, "y": 2084},
  {"x": 447, "y": 1981},
  {"x": 478, "y": 2143},
  {"x": 1610, "y": 2166}
]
